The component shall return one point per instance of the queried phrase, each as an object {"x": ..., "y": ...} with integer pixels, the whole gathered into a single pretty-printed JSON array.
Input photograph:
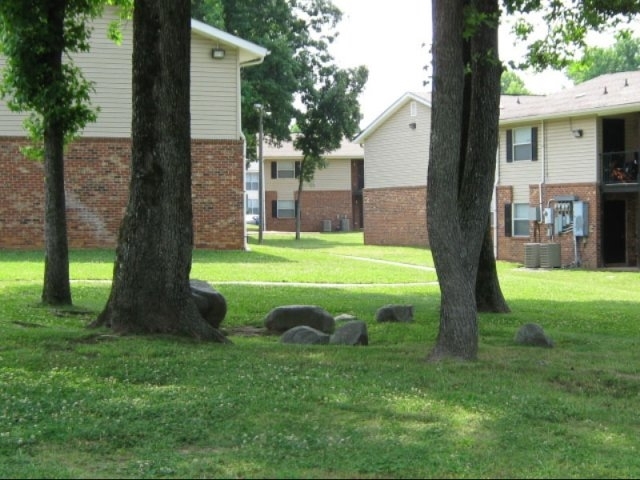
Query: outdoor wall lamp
[
  {"x": 412, "y": 125},
  {"x": 577, "y": 133},
  {"x": 217, "y": 53}
]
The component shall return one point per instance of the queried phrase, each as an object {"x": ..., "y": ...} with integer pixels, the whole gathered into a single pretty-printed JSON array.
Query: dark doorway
[
  {"x": 613, "y": 135},
  {"x": 614, "y": 227}
]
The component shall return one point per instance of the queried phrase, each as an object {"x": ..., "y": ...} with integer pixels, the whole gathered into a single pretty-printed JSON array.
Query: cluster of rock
[{"x": 312, "y": 325}]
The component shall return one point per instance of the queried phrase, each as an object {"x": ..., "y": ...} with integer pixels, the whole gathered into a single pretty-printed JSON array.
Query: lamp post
[{"x": 260, "y": 110}]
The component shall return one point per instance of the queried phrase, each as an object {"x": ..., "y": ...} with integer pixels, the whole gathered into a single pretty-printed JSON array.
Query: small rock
[
  {"x": 533, "y": 334},
  {"x": 395, "y": 313},
  {"x": 304, "y": 335},
  {"x": 211, "y": 303},
  {"x": 281, "y": 319},
  {"x": 351, "y": 333}
]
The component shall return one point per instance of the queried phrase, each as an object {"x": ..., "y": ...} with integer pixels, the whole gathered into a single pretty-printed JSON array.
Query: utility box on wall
[{"x": 580, "y": 219}]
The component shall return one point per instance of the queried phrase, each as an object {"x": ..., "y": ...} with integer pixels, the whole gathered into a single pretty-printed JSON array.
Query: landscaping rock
[
  {"x": 281, "y": 319},
  {"x": 395, "y": 313},
  {"x": 533, "y": 334},
  {"x": 351, "y": 333},
  {"x": 211, "y": 303},
  {"x": 304, "y": 335}
]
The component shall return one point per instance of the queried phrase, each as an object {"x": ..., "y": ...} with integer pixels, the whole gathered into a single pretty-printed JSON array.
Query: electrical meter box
[
  {"x": 548, "y": 216},
  {"x": 580, "y": 219}
]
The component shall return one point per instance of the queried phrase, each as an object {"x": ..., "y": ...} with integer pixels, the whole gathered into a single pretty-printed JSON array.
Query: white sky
[{"x": 388, "y": 37}]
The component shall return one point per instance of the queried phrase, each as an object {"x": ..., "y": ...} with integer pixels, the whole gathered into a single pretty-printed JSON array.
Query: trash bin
[{"x": 326, "y": 225}]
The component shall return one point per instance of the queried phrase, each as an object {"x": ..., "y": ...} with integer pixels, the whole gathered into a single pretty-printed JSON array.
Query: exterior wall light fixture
[{"x": 217, "y": 53}]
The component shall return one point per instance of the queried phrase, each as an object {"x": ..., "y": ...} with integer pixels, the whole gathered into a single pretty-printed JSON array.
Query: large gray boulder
[
  {"x": 395, "y": 313},
  {"x": 532, "y": 334},
  {"x": 211, "y": 304},
  {"x": 353, "y": 332},
  {"x": 281, "y": 319},
  {"x": 304, "y": 335}
]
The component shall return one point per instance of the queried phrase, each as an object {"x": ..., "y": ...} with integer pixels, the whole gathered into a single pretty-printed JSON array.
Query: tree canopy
[
  {"x": 297, "y": 34},
  {"x": 623, "y": 56},
  {"x": 35, "y": 37}
]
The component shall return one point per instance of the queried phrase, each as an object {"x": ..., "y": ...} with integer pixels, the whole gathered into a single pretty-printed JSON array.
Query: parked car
[{"x": 252, "y": 219}]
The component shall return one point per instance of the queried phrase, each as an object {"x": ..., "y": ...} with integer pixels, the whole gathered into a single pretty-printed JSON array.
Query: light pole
[{"x": 260, "y": 110}]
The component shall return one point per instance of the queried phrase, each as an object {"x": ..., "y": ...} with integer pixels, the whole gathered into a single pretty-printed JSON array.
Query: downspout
[
  {"x": 542, "y": 175},
  {"x": 244, "y": 158},
  {"x": 244, "y": 191}
]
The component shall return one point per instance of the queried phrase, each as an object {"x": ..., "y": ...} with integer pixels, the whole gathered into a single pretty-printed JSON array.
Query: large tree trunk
[
  {"x": 489, "y": 296},
  {"x": 56, "y": 289},
  {"x": 463, "y": 144},
  {"x": 151, "y": 292}
]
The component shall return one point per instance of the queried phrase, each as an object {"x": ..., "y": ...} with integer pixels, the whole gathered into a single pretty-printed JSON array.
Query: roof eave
[
  {"x": 597, "y": 111},
  {"x": 249, "y": 52}
]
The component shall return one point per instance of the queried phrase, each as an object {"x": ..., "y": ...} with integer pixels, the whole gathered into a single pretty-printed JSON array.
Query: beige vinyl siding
[
  {"x": 214, "y": 92},
  {"x": 214, "y": 87},
  {"x": 569, "y": 159},
  {"x": 396, "y": 155},
  {"x": 10, "y": 122},
  {"x": 337, "y": 176},
  {"x": 108, "y": 65}
]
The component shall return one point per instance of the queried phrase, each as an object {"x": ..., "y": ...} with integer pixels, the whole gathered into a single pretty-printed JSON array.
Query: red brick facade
[
  {"x": 317, "y": 206},
  {"x": 585, "y": 251},
  {"x": 396, "y": 216},
  {"x": 97, "y": 183}
]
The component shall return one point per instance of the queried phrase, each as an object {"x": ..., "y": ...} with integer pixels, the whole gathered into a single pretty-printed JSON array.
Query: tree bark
[
  {"x": 489, "y": 297},
  {"x": 150, "y": 291},
  {"x": 56, "y": 287},
  {"x": 464, "y": 136}
]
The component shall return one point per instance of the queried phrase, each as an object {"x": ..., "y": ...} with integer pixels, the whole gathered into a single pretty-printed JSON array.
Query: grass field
[{"x": 76, "y": 402}]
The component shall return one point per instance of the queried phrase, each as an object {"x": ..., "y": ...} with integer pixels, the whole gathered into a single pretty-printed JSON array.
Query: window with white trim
[
  {"x": 286, "y": 209},
  {"x": 522, "y": 144},
  {"x": 286, "y": 170},
  {"x": 413, "y": 109},
  {"x": 252, "y": 181},
  {"x": 253, "y": 206},
  {"x": 520, "y": 220}
]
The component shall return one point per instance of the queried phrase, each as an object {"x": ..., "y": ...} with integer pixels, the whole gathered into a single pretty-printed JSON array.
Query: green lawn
[{"x": 76, "y": 402}]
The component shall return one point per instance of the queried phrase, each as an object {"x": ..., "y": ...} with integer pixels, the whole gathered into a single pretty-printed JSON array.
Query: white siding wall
[
  {"x": 214, "y": 88},
  {"x": 570, "y": 159},
  {"x": 336, "y": 176},
  {"x": 396, "y": 155}
]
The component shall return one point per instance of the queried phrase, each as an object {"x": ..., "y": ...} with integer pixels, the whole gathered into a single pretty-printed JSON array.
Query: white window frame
[
  {"x": 520, "y": 220},
  {"x": 522, "y": 144},
  {"x": 413, "y": 109},
  {"x": 286, "y": 209},
  {"x": 286, "y": 169},
  {"x": 253, "y": 206},
  {"x": 252, "y": 182}
]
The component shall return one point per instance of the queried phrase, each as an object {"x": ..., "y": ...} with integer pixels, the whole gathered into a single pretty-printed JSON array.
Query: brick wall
[
  {"x": 395, "y": 216},
  {"x": 588, "y": 248},
  {"x": 317, "y": 206},
  {"x": 97, "y": 183}
]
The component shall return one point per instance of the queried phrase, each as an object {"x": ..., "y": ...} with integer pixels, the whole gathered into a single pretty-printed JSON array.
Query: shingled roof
[{"x": 614, "y": 93}]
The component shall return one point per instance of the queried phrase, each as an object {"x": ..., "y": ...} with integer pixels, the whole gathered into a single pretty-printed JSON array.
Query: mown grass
[{"x": 76, "y": 402}]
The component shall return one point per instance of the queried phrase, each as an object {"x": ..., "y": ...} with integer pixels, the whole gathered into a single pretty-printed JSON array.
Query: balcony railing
[{"x": 620, "y": 167}]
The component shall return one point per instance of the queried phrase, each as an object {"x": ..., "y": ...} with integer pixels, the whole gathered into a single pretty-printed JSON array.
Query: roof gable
[{"x": 421, "y": 98}]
